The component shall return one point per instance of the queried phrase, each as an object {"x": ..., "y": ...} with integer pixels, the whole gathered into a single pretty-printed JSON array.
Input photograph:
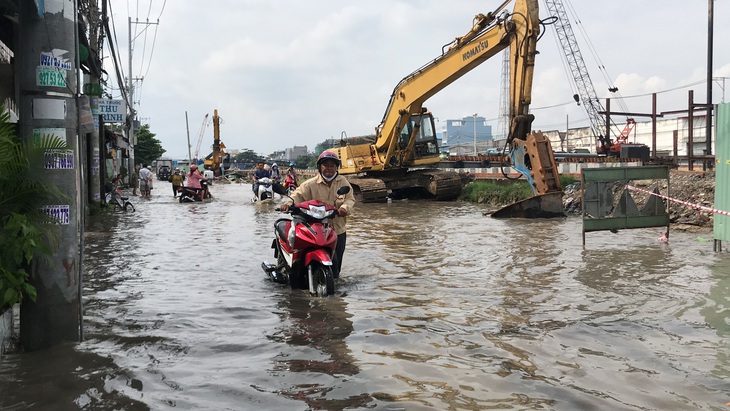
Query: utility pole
[
  {"x": 130, "y": 130},
  {"x": 187, "y": 128},
  {"x": 132, "y": 113},
  {"x": 93, "y": 90},
  {"x": 708, "y": 126},
  {"x": 46, "y": 66},
  {"x": 475, "y": 134}
]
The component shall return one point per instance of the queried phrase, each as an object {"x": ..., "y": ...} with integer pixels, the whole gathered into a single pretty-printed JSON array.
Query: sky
[{"x": 285, "y": 73}]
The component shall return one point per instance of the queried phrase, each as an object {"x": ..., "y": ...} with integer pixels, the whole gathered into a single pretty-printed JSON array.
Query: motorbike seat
[{"x": 281, "y": 226}]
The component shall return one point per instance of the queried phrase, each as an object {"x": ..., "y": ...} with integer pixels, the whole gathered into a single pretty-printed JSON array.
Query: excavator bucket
[
  {"x": 533, "y": 157},
  {"x": 548, "y": 205}
]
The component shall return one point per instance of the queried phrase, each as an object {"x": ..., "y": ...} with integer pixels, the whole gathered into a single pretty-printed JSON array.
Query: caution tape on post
[{"x": 688, "y": 204}]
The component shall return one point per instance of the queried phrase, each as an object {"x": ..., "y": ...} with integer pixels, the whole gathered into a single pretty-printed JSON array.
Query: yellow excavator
[
  {"x": 399, "y": 160},
  {"x": 218, "y": 157}
]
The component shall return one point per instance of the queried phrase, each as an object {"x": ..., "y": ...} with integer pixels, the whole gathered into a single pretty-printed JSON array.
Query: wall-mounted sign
[
  {"x": 50, "y": 77},
  {"x": 48, "y": 108},
  {"x": 60, "y": 213},
  {"x": 58, "y": 160},
  {"x": 112, "y": 111},
  {"x": 57, "y": 132},
  {"x": 55, "y": 59}
]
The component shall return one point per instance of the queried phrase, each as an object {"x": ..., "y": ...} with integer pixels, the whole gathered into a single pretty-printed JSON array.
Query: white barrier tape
[{"x": 695, "y": 206}]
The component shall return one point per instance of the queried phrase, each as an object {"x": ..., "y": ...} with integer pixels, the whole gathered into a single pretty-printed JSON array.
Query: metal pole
[{"x": 708, "y": 125}]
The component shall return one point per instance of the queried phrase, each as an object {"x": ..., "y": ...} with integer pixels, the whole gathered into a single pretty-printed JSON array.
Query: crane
[
  {"x": 586, "y": 92},
  {"x": 200, "y": 139}
]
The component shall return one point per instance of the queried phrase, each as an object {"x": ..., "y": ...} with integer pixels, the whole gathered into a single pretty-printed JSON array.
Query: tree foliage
[
  {"x": 27, "y": 233},
  {"x": 148, "y": 148},
  {"x": 306, "y": 161},
  {"x": 246, "y": 156}
]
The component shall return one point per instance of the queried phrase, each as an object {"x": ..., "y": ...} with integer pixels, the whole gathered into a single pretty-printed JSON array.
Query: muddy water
[{"x": 438, "y": 308}]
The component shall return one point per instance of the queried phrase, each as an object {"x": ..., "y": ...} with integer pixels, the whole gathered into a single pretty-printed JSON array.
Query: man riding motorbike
[
  {"x": 260, "y": 172},
  {"x": 324, "y": 188}
]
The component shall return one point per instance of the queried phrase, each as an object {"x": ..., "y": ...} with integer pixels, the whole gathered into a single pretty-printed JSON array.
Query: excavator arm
[
  {"x": 398, "y": 134},
  {"x": 406, "y": 138}
]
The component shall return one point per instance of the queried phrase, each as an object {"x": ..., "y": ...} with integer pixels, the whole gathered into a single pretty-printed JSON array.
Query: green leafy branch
[{"x": 27, "y": 233}]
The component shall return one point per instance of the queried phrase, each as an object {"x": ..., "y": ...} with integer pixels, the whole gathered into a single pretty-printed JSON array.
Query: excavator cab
[{"x": 425, "y": 144}]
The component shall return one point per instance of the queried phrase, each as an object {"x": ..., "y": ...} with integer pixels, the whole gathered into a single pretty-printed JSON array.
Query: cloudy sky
[{"x": 289, "y": 72}]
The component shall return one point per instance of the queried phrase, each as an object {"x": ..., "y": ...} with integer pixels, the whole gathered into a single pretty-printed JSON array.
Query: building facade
[{"x": 467, "y": 136}]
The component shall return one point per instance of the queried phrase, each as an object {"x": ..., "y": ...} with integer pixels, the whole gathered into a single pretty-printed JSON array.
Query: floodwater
[{"x": 438, "y": 308}]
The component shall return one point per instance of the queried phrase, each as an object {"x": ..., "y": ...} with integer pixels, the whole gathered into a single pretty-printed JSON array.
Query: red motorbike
[
  {"x": 191, "y": 195},
  {"x": 304, "y": 247},
  {"x": 289, "y": 184}
]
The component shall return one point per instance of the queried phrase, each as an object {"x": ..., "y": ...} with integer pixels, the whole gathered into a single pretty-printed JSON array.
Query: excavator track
[
  {"x": 429, "y": 184},
  {"x": 443, "y": 185},
  {"x": 369, "y": 190}
]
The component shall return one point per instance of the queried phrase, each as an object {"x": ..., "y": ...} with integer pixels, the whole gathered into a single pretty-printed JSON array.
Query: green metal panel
[
  {"x": 620, "y": 223},
  {"x": 721, "y": 223},
  {"x": 625, "y": 173},
  {"x": 598, "y": 209}
]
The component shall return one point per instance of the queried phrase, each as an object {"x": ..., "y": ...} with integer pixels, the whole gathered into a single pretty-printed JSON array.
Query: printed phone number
[
  {"x": 60, "y": 213},
  {"x": 50, "y": 77}
]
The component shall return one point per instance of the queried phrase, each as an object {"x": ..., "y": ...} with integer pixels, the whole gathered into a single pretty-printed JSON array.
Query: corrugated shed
[{"x": 721, "y": 223}]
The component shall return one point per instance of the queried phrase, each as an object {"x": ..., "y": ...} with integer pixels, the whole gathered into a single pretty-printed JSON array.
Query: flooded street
[{"x": 438, "y": 308}]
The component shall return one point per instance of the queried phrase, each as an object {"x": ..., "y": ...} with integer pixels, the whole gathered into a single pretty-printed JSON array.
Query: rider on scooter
[
  {"x": 260, "y": 172},
  {"x": 324, "y": 188},
  {"x": 194, "y": 179},
  {"x": 291, "y": 174},
  {"x": 276, "y": 178}
]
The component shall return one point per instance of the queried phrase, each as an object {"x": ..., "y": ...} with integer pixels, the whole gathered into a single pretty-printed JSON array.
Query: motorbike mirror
[{"x": 343, "y": 190}]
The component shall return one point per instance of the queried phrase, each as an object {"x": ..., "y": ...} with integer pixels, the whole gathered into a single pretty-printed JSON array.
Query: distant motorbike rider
[
  {"x": 194, "y": 179},
  {"x": 177, "y": 181},
  {"x": 292, "y": 173},
  {"x": 276, "y": 178},
  {"x": 324, "y": 188},
  {"x": 259, "y": 173}
]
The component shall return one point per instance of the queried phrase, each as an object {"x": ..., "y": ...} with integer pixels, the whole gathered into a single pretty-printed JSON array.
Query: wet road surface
[{"x": 438, "y": 308}]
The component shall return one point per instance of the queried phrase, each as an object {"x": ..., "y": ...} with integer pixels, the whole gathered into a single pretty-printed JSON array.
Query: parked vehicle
[
  {"x": 164, "y": 173},
  {"x": 120, "y": 202},
  {"x": 304, "y": 246}
]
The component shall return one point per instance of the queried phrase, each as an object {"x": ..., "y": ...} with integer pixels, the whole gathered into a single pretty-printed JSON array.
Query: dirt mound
[{"x": 697, "y": 188}]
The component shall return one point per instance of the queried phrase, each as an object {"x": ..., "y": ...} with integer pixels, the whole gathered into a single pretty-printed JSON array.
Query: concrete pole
[
  {"x": 475, "y": 134},
  {"x": 130, "y": 119},
  {"x": 46, "y": 65},
  {"x": 187, "y": 128},
  {"x": 96, "y": 181}
]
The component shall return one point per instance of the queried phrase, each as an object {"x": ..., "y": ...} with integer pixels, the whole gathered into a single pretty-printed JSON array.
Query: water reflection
[
  {"x": 438, "y": 308},
  {"x": 317, "y": 330}
]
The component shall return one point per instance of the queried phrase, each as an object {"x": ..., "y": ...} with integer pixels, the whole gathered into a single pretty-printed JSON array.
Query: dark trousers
[
  {"x": 339, "y": 253},
  {"x": 175, "y": 189}
]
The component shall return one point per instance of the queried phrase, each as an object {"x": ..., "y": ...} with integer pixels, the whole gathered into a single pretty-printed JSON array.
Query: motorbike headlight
[{"x": 317, "y": 212}]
